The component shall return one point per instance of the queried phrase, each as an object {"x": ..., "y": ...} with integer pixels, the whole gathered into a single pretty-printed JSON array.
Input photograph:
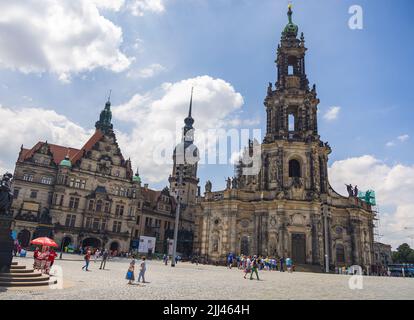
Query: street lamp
[
  {"x": 61, "y": 246},
  {"x": 325, "y": 217},
  {"x": 179, "y": 185}
]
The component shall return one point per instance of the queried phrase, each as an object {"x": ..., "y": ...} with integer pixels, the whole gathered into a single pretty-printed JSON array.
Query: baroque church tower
[
  {"x": 294, "y": 159},
  {"x": 186, "y": 157}
]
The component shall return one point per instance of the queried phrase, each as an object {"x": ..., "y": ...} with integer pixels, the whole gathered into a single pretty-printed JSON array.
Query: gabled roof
[{"x": 59, "y": 152}]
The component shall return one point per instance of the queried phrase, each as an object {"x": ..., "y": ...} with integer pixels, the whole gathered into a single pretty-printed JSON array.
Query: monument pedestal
[{"x": 6, "y": 243}]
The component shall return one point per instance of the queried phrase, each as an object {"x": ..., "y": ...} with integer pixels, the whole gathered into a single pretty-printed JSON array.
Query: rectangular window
[
  {"x": 107, "y": 207},
  {"x": 74, "y": 203},
  {"x": 28, "y": 177},
  {"x": 138, "y": 220},
  {"x": 61, "y": 200},
  {"x": 88, "y": 223},
  {"x": 72, "y": 182},
  {"x": 95, "y": 225},
  {"x": 70, "y": 220},
  {"x": 103, "y": 225},
  {"x": 117, "y": 226},
  {"x": 33, "y": 194},
  {"x": 83, "y": 184},
  {"x": 46, "y": 180},
  {"x": 77, "y": 183}
]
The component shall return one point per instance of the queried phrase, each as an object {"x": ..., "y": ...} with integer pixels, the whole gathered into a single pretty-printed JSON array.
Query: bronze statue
[{"x": 6, "y": 195}]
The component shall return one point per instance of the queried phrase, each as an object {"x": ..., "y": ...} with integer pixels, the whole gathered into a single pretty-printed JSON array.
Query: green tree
[{"x": 403, "y": 254}]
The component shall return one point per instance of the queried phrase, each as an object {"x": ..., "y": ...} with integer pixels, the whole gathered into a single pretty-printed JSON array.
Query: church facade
[{"x": 287, "y": 208}]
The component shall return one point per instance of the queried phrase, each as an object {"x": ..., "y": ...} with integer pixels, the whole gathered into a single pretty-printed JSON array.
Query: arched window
[{"x": 294, "y": 169}]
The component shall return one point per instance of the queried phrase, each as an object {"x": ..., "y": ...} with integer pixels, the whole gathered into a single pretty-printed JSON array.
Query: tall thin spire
[
  {"x": 189, "y": 121},
  {"x": 191, "y": 102}
]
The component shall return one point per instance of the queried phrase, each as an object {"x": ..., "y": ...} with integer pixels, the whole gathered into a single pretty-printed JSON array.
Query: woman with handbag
[{"x": 130, "y": 273}]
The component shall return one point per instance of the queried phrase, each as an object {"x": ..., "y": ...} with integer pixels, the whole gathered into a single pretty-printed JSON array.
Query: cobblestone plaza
[{"x": 190, "y": 282}]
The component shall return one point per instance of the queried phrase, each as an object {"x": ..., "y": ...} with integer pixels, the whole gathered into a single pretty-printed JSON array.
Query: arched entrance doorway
[
  {"x": 340, "y": 254},
  {"x": 298, "y": 248},
  {"x": 91, "y": 243},
  {"x": 114, "y": 246},
  {"x": 244, "y": 246},
  {"x": 66, "y": 241},
  {"x": 24, "y": 238}
]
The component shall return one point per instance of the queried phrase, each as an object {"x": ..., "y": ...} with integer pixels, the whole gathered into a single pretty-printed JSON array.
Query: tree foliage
[{"x": 404, "y": 254}]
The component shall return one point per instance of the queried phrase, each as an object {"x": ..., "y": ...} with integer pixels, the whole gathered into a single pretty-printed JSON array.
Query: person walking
[
  {"x": 289, "y": 264},
  {"x": 143, "y": 268},
  {"x": 104, "y": 258},
  {"x": 87, "y": 258},
  {"x": 52, "y": 257},
  {"x": 130, "y": 276},
  {"x": 255, "y": 266},
  {"x": 247, "y": 267},
  {"x": 165, "y": 259},
  {"x": 282, "y": 261},
  {"x": 96, "y": 255}
]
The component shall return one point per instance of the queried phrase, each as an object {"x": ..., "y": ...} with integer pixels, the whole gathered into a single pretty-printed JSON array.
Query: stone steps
[
  {"x": 20, "y": 276},
  {"x": 24, "y": 279},
  {"x": 308, "y": 268}
]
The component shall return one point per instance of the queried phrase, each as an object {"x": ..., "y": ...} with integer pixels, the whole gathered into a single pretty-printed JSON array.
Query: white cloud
[
  {"x": 394, "y": 187},
  {"x": 114, "y": 5},
  {"x": 64, "y": 37},
  {"x": 139, "y": 7},
  {"x": 332, "y": 113},
  {"x": 147, "y": 72},
  {"x": 29, "y": 125},
  {"x": 158, "y": 114},
  {"x": 403, "y": 137},
  {"x": 390, "y": 144}
]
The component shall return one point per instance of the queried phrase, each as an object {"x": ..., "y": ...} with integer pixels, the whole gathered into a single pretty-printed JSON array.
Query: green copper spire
[
  {"x": 104, "y": 123},
  {"x": 291, "y": 29}
]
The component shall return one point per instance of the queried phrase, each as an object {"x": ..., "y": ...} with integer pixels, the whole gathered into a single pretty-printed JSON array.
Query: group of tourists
[
  {"x": 130, "y": 276},
  {"x": 44, "y": 259},
  {"x": 103, "y": 254},
  {"x": 254, "y": 264}
]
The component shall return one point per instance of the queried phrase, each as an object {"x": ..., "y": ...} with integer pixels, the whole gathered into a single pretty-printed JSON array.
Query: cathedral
[{"x": 286, "y": 208}]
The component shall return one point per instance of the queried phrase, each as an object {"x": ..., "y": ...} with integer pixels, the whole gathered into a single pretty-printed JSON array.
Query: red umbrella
[{"x": 44, "y": 241}]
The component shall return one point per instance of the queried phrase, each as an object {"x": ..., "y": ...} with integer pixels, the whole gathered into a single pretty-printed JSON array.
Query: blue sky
[{"x": 366, "y": 73}]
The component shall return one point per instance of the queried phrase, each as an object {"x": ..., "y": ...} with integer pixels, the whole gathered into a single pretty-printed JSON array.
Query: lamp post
[
  {"x": 61, "y": 246},
  {"x": 325, "y": 217},
  {"x": 179, "y": 185}
]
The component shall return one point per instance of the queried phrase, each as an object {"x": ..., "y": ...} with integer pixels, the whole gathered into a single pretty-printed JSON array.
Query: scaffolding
[{"x": 370, "y": 198}]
